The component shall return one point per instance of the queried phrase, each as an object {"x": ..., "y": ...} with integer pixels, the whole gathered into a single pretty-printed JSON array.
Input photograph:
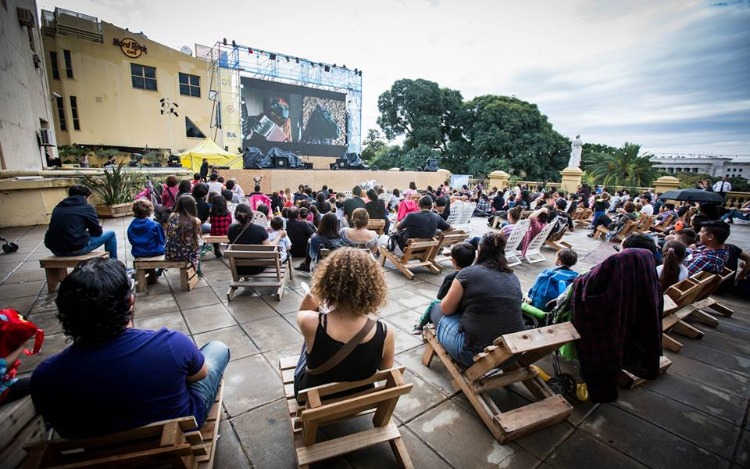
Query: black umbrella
[{"x": 692, "y": 195}]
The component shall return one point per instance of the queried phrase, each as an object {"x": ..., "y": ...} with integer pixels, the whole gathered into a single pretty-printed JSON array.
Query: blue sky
[{"x": 673, "y": 76}]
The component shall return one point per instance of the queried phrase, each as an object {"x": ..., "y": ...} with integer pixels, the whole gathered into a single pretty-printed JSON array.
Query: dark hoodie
[
  {"x": 72, "y": 223},
  {"x": 147, "y": 238}
]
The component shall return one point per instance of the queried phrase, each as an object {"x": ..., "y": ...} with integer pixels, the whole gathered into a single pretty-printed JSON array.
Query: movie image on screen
[{"x": 293, "y": 118}]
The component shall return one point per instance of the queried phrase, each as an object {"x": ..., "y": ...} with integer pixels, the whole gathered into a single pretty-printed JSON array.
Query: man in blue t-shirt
[{"x": 114, "y": 377}]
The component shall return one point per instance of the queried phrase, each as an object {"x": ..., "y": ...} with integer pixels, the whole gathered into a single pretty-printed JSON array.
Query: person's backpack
[{"x": 550, "y": 284}]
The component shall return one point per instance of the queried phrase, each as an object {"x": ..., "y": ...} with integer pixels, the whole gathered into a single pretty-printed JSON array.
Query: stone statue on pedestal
[{"x": 575, "y": 152}]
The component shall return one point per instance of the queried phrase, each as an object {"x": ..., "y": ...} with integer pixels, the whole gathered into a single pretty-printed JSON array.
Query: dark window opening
[
  {"x": 143, "y": 77},
  {"x": 61, "y": 113},
  {"x": 190, "y": 85},
  {"x": 74, "y": 112},
  {"x": 55, "y": 68},
  {"x": 68, "y": 64},
  {"x": 192, "y": 130}
]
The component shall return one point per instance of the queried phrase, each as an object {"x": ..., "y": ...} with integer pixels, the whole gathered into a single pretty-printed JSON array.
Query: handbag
[{"x": 344, "y": 351}]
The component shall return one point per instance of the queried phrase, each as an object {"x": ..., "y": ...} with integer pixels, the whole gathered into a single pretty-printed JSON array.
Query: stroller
[
  {"x": 557, "y": 311},
  {"x": 8, "y": 247}
]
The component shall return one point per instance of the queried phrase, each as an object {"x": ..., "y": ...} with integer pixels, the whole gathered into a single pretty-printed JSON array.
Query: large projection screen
[{"x": 302, "y": 120}]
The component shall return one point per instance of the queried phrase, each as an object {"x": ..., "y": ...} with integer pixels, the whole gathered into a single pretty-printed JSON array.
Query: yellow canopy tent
[{"x": 212, "y": 152}]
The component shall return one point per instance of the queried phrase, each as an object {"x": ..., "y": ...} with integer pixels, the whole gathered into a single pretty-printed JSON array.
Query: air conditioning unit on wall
[{"x": 47, "y": 138}]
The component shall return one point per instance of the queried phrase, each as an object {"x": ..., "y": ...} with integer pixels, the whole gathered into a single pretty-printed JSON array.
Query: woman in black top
[
  {"x": 200, "y": 191},
  {"x": 326, "y": 237},
  {"x": 350, "y": 285},
  {"x": 376, "y": 208},
  {"x": 246, "y": 232}
]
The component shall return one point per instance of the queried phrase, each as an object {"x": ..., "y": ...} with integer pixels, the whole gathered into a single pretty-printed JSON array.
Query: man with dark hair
[
  {"x": 74, "y": 227},
  {"x": 204, "y": 170},
  {"x": 215, "y": 185},
  {"x": 299, "y": 232},
  {"x": 422, "y": 224},
  {"x": 711, "y": 254},
  {"x": 115, "y": 377},
  {"x": 354, "y": 202},
  {"x": 200, "y": 191},
  {"x": 442, "y": 207}
]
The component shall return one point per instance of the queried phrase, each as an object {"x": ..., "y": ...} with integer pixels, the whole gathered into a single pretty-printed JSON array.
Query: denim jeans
[
  {"x": 450, "y": 337},
  {"x": 217, "y": 357},
  {"x": 108, "y": 239},
  {"x": 735, "y": 214}
]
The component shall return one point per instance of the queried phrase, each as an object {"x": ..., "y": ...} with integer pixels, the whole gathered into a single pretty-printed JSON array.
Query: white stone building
[{"x": 714, "y": 165}]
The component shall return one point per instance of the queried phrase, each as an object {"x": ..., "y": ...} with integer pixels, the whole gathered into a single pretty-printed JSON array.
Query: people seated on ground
[
  {"x": 422, "y": 224},
  {"x": 299, "y": 232},
  {"x": 145, "y": 235},
  {"x": 552, "y": 282},
  {"x": 482, "y": 303},
  {"x": 119, "y": 377},
  {"x": 15, "y": 331},
  {"x": 74, "y": 227},
  {"x": 277, "y": 232},
  {"x": 672, "y": 269},
  {"x": 184, "y": 234},
  {"x": 462, "y": 255},
  {"x": 376, "y": 209},
  {"x": 539, "y": 219},
  {"x": 483, "y": 208},
  {"x": 710, "y": 255},
  {"x": 214, "y": 185},
  {"x": 326, "y": 237},
  {"x": 358, "y": 235},
  {"x": 244, "y": 231},
  {"x": 221, "y": 219},
  {"x": 350, "y": 286},
  {"x": 513, "y": 215},
  {"x": 354, "y": 202},
  {"x": 743, "y": 213}
]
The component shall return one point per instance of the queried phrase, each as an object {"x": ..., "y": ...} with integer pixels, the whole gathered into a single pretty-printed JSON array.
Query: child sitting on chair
[
  {"x": 220, "y": 220},
  {"x": 277, "y": 230},
  {"x": 552, "y": 282},
  {"x": 144, "y": 234},
  {"x": 462, "y": 255}
]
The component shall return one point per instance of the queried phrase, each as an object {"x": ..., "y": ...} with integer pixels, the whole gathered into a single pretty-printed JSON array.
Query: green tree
[
  {"x": 506, "y": 133},
  {"x": 591, "y": 149},
  {"x": 422, "y": 112},
  {"x": 623, "y": 167},
  {"x": 373, "y": 144}
]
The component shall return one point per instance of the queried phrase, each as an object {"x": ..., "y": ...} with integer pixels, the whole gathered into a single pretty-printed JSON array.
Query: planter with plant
[{"x": 115, "y": 189}]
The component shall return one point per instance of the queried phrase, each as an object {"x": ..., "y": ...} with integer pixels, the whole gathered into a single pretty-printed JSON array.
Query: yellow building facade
[{"x": 114, "y": 87}]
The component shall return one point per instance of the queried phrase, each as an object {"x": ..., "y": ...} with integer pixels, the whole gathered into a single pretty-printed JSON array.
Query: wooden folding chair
[
  {"x": 314, "y": 409},
  {"x": 377, "y": 226},
  {"x": 276, "y": 275},
  {"x": 446, "y": 239},
  {"x": 556, "y": 242},
  {"x": 417, "y": 253},
  {"x": 505, "y": 362},
  {"x": 171, "y": 443},
  {"x": 584, "y": 218},
  {"x": 678, "y": 301},
  {"x": 644, "y": 224},
  {"x": 704, "y": 301},
  {"x": 663, "y": 225}
]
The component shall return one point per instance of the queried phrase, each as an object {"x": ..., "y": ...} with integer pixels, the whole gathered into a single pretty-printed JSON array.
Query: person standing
[
  {"x": 204, "y": 170},
  {"x": 722, "y": 187},
  {"x": 74, "y": 227}
]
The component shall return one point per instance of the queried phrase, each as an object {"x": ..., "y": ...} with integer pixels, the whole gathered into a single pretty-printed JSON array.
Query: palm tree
[{"x": 623, "y": 167}]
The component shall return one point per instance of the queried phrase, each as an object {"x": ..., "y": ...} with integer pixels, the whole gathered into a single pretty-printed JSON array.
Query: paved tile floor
[{"x": 694, "y": 416}]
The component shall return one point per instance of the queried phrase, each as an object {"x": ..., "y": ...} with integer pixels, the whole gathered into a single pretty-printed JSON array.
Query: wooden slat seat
[
  {"x": 171, "y": 443},
  {"x": 56, "y": 267},
  {"x": 678, "y": 306},
  {"x": 145, "y": 271},
  {"x": 446, "y": 240},
  {"x": 556, "y": 242},
  {"x": 216, "y": 239},
  {"x": 417, "y": 253},
  {"x": 377, "y": 226},
  {"x": 275, "y": 276},
  {"x": 314, "y": 409},
  {"x": 704, "y": 300},
  {"x": 505, "y": 362},
  {"x": 21, "y": 425}
]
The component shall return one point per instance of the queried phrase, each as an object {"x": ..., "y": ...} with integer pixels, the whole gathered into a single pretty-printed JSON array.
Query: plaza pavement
[{"x": 694, "y": 416}]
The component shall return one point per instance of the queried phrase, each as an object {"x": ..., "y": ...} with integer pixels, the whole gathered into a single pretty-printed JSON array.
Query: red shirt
[{"x": 220, "y": 225}]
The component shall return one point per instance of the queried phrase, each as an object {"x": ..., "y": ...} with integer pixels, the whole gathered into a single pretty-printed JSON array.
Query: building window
[
  {"x": 68, "y": 64},
  {"x": 192, "y": 130},
  {"x": 190, "y": 85},
  {"x": 144, "y": 78},
  {"x": 61, "y": 114},
  {"x": 74, "y": 112},
  {"x": 55, "y": 68}
]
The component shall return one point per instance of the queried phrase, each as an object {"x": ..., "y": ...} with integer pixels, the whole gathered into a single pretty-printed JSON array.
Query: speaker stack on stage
[
  {"x": 281, "y": 162},
  {"x": 431, "y": 165}
]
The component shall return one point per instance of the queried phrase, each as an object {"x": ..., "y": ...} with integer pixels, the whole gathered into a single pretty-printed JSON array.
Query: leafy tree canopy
[{"x": 623, "y": 167}]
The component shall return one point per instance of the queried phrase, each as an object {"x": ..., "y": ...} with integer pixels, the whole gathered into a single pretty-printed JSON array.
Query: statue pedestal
[
  {"x": 666, "y": 183},
  {"x": 499, "y": 179},
  {"x": 571, "y": 179}
]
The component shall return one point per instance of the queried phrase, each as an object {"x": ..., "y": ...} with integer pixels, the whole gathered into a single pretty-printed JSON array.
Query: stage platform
[{"x": 340, "y": 180}]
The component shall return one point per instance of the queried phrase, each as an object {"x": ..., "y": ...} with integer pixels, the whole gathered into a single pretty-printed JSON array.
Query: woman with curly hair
[
  {"x": 184, "y": 233},
  {"x": 482, "y": 303},
  {"x": 350, "y": 286}
]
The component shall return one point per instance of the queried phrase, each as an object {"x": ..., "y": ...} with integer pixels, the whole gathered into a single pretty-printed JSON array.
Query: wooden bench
[
  {"x": 446, "y": 240},
  {"x": 145, "y": 272},
  {"x": 314, "y": 409},
  {"x": 417, "y": 253},
  {"x": 56, "y": 267},
  {"x": 513, "y": 354},
  {"x": 171, "y": 443},
  {"x": 216, "y": 239},
  {"x": 21, "y": 425},
  {"x": 377, "y": 226},
  {"x": 276, "y": 275}
]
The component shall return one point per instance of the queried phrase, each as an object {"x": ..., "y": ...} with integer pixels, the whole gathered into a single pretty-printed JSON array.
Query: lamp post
[{"x": 169, "y": 107}]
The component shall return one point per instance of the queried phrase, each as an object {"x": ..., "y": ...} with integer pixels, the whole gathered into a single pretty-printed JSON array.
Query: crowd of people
[{"x": 157, "y": 375}]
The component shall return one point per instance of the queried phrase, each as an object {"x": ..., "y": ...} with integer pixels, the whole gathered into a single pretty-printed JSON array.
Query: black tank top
[{"x": 360, "y": 364}]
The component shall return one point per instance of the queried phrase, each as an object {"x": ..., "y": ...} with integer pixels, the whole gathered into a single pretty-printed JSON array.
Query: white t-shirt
[
  {"x": 215, "y": 186},
  {"x": 284, "y": 243},
  {"x": 647, "y": 210},
  {"x": 682, "y": 276}
]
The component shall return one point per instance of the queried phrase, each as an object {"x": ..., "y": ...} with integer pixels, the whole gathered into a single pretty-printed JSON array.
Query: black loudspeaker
[
  {"x": 333, "y": 166},
  {"x": 431, "y": 165},
  {"x": 280, "y": 162},
  {"x": 308, "y": 165},
  {"x": 342, "y": 163}
]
